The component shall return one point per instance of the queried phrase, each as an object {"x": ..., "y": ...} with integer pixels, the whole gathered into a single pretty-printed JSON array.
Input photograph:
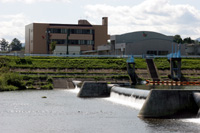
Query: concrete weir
[
  {"x": 63, "y": 83},
  {"x": 131, "y": 92},
  {"x": 196, "y": 96},
  {"x": 170, "y": 104},
  {"x": 94, "y": 89}
]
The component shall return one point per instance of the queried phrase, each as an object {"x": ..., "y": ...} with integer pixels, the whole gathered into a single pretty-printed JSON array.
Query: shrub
[
  {"x": 29, "y": 82},
  {"x": 47, "y": 87},
  {"x": 23, "y": 61},
  {"x": 9, "y": 88},
  {"x": 2, "y": 82},
  {"x": 14, "y": 79},
  {"x": 49, "y": 80}
]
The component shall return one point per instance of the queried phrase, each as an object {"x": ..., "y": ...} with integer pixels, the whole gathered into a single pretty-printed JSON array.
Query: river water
[{"x": 63, "y": 112}]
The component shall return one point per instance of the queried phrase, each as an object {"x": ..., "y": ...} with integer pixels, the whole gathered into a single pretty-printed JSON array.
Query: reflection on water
[{"x": 171, "y": 125}]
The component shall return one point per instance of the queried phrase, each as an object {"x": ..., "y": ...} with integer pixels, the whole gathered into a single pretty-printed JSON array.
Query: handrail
[{"x": 117, "y": 56}]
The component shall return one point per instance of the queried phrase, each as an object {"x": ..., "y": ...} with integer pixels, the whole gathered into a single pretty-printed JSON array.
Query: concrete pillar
[
  {"x": 179, "y": 69},
  {"x": 131, "y": 72},
  {"x": 175, "y": 68}
]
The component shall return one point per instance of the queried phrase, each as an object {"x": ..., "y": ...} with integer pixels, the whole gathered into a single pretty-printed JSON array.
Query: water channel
[{"x": 61, "y": 111}]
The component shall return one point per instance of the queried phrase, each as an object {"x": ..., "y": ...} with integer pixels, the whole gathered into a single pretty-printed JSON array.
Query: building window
[
  {"x": 79, "y": 42},
  {"x": 72, "y": 31}
]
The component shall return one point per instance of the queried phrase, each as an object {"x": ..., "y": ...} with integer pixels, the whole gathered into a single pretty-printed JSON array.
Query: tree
[
  {"x": 52, "y": 46},
  {"x": 16, "y": 45},
  {"x": 3, "y": 44},
  {"x": 188, "y": 40},
  {"x": 178, "y": 39}
]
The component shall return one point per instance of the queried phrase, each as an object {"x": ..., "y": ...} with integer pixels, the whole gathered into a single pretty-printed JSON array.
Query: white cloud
[
  {"x": 13, "y": 26},
  {"x": 153, "y": 15},
  {"x": 33, "y": 1}
]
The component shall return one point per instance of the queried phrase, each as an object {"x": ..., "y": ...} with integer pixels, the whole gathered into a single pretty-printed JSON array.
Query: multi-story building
[{"x": 39, "y": 36}]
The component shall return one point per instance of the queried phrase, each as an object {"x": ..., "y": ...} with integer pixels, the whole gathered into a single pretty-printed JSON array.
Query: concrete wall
[
  {"x": 94, "y": 89},
  {"x": 101, "y": 35},
  {"x": 63, "y": 83},
  {"x": 169, "y": 104},
  {"x": 29, "y": 38},
  {"x": 192, "y": 49},
  {"x": 141, "y": 47},
  {"x": 39, "y": 43}
]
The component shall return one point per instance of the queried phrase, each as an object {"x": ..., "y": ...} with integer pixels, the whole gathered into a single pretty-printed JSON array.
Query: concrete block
[
  {"x": 169, "y": 104},
  {"x": 63, "y": 83},
  {"x": 94, "y": 89},
  {"x": 196, "y": 96}
]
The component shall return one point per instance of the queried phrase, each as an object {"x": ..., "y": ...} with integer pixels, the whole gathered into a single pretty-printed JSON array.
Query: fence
[{"x": 114, "y": 56}]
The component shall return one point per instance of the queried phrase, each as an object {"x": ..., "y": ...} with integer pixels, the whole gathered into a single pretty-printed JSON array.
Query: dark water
[{"x": 63, "y": 112}]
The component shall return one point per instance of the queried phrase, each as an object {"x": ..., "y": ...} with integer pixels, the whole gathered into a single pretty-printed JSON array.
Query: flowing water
[{"x": 61, "y": 111}]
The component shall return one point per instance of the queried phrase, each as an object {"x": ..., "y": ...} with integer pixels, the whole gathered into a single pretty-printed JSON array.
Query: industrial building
[
  {"x": 139, "y": 43},
  {"x": 192, "y": 49},
  {"x": 69, "y": 38}
]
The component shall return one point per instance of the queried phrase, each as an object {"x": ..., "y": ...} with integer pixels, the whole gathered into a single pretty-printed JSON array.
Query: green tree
[
  {"x": 178, "y": 39},
  {"x": 16, "y": 45},
  {"x": 52, "y": 46},
  {"x": 188, "y": 40},
  {"x": 3, "y": 44}
]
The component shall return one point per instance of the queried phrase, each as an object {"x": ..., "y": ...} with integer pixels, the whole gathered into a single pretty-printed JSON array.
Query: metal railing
[{"x": 114, "y": 56}]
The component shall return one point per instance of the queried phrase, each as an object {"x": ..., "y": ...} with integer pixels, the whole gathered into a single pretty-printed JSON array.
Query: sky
[{"x": 169, "y": 17}]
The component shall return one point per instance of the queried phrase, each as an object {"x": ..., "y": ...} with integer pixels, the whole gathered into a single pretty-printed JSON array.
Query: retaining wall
[{"x": 63, "y": 83}]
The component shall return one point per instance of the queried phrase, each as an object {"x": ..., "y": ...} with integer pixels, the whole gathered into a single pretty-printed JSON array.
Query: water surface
[{"x": 63, "y": 112}]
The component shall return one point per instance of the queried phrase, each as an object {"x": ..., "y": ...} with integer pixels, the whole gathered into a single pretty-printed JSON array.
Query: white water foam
[
  {"x": 126, "y": 100},
  {"x": 192, "y": 120},
  {"x": 76, "y": 90}
]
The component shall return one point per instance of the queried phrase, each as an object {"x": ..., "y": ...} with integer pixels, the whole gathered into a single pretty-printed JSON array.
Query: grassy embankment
[
  {"x": 37, "y": 72},
  {"x": 190, "y": 68}
]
